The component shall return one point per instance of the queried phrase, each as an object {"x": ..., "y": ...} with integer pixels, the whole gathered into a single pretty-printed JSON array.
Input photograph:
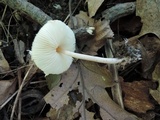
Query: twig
[
  {"x": 19, "y": 92},
  {"x": 4, "y": 13},
  {"x": 14, "y": 70},
  {"x": 20, "y": 100}
]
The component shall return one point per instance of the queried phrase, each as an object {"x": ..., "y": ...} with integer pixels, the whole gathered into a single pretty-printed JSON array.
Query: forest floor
[{"x": 127, "y": 29}]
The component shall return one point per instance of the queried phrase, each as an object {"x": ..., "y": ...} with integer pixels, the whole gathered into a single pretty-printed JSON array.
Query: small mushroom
[{"x": 53, "y": 48}]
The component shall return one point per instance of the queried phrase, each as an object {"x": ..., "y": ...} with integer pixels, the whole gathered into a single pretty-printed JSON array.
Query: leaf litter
[{"x": 94, "y": 89}]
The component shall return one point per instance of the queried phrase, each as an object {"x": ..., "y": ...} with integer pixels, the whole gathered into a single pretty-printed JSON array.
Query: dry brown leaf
[
  {"x": 93, "y": 6},
  {"x": 148, "y": 10},
  {"x": 7, "y": 88},
  {"x": 64, "y": 113},
  {"x": 93, "y": 78},
  {"x": 155, "y": 94},
  {"x": 150, "y": 48},
  {"x": 137, "y": 96},
  {"x": 103, "y": 30},
  {"x": 81, "y": 20},
  {"x": 79, "y": 109},
  {"x": 94, "y": 89},
  {"x": 101, "y": 76},
  {"x": 101, "y": 33},
  {"x": 71, "y": 80},
  {"x": 89, "y": 116},
  {"x": 4, "y": 66},
  {"x": 52, "y": 114},
  {"x": 105, "y": 115},
  {"x": 156, "y": 77},
  {"x": 109, "y": 106},
  {"x": 58, "y": 97}
]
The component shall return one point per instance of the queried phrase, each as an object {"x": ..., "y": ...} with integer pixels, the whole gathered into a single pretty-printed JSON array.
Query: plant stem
[{"x": 92, "y": 58}]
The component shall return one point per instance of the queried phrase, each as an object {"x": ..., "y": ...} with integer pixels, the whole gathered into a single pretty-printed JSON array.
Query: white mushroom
[{"x": 54, "y": 46}]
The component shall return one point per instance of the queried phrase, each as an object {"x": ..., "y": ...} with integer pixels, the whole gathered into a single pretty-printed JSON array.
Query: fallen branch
[{"x": 29, "y": 9}]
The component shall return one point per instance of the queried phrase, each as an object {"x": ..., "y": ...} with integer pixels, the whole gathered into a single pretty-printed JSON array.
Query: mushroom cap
[{"x": 53, "y": 37}]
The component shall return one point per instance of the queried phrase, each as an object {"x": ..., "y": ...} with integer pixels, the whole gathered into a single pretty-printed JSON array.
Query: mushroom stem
[{"x": 92, "y": 58}]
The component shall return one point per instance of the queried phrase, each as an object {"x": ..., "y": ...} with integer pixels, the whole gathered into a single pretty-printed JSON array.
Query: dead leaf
[
  {"x": 112, "y": 109},
  {"x": 7, "y": 88},
  {"x": 64, "y": 113},
  {"x": 101, "y": 33},
  {"x": 148, "y": 10},
  {"x": 71, "y": 80},
  {"x": 81, "y": 20},
  {"x": 105, "y": 115},
  {"x": 4, "y": 66},
  {"x": 156, "y": 77},
  {"x": 52, "y": 114},
  {"x": 101, "y": 73},
  {"x": 58, "y": 97},
  {"x": 103, "y": 30},
  {"x": 89, "y": 116},
  {"x": 155, "y": 94},
  {"x": 93, "y": 6},
  {"x": 79, "y": 108},
  {"x": 19, "y": 48},
  {"x": 150, "y": 48},
  {"x": 137, "y": 96}
]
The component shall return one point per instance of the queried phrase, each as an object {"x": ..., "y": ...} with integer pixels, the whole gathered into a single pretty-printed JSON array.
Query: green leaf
[{"x": 52, "y": 80}]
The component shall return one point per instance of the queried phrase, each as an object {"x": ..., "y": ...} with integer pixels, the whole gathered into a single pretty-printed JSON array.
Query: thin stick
[
  {"x": 4, "y": 12},
  {"x": 116, "y": 89},
  {"x": 20, "y": 100},
  {"x": 19, "y": 92}
]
